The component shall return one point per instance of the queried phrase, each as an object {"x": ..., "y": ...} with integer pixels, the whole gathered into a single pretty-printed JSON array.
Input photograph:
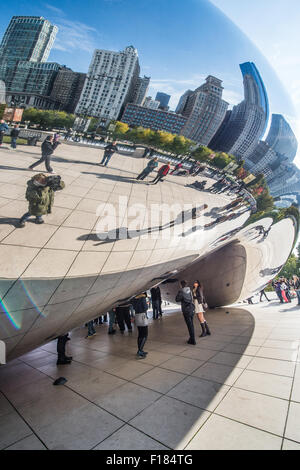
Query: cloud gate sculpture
[{"x": 109, "y": 236}]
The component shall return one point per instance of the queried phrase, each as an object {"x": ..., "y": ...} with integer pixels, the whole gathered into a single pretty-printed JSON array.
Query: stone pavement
[{"x": 238, "y": 389}]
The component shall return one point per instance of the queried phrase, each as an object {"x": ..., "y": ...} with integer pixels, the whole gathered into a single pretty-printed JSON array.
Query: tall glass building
[
  {"x": 281, "y": 138},
  {"x": 164, "y": 99},
  {"x": 27, "y": 38},
  {"x": 247, "y": 121}
]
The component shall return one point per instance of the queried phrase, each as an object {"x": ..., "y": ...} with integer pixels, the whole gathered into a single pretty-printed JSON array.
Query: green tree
[{"x": 291, "y": 267}]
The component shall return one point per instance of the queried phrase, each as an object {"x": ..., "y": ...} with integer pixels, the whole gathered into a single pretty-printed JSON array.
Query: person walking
[
  {"x": 109, "y": 150},
  {"x": 262, "y": 293},
  {"x": 200, "y": 302},
  {"x": 163, "y": 171},
  {"x": 48, "y": 147},
  {"x": 123, "y": 317},
  {"x": 297, "y": 287},
  {"x": 3, "y": 129},
  {"x": 14, "y": 136},
  {"x": 62, "y": 359},
  {"x": 40, "y": 197},
  {"x": 152, "y": 164},
  {"x": 141, "y": 321},
  {"x": 184, "y": 295},
  {"x": 156, "y": 302},
  {"x": 176, "y": 169}
]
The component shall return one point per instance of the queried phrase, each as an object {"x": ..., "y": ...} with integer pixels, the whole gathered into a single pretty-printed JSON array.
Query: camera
[{"x": 54, "y": 182}]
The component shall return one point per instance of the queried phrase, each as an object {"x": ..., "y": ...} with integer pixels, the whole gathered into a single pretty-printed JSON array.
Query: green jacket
[{"x": 40, "y": 198}]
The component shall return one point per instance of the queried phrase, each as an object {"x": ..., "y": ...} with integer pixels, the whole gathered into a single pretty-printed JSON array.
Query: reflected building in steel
[{"x": 245, "y": 125}]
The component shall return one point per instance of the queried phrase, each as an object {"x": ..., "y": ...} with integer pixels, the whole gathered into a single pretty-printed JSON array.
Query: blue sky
[{"x": 180, "y": 42}]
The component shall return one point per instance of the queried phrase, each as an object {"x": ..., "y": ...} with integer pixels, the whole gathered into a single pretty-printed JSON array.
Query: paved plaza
[{"x": 238, "y": 389}]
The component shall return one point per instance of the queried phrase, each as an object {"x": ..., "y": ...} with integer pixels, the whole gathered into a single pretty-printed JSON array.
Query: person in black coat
[
  {"x": 109, "y": 150},
  {"x": 156, "y": 302},
  {"x": 14, "y": 135},
  {"x": 140, "y": 309},
  {"x": 185, "y": 296},
  {"x": 48, "y": 147},
  {"x": 123, "y": 316}
]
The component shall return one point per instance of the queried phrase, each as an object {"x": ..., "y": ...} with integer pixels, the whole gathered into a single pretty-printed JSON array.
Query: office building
[
  {"x": 155, "y": 119},
  {"x": 248, "y": 120},
  {"x": 141, "y": 90},
  {"x": 163, "y": 99},
  {"x": 27, "y": 38},
  {"x": 150, "y": 103},
  {"x": 182, "y": 102},
  {"x": 281, "y": 138},
  {"x": 110, "y": 84},
  {"x": 204, "y": 110},
  {"x": 67, "y": 89}
]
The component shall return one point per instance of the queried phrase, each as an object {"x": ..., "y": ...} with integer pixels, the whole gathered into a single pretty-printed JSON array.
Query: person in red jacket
[{"x": 163, "y": 171}]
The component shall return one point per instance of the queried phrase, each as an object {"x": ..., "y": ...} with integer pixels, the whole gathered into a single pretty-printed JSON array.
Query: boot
[
  {"x": 203, "y": 330},
  {"x": 207, "y": 329},
  {"x": 141, "y": 344},
  {"x": 62, "y": 361}
]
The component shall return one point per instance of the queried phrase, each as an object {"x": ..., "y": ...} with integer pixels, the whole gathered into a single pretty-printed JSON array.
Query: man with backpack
[
  {"x": 163, "y": 171},
  {"x": 185, "y": 296},
  {"x": 109, "y": 150}
]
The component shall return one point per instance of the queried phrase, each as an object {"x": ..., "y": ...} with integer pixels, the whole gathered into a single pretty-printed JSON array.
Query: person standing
[
  {"x": 3, "y": 129},
  {"x": 62, "y": 359},
  {"x": 14, "y": 136},
  {"x": 163, "y": 171},
  {"x": 109, "y": 150},
  {"x": 40, "y": 197},
  {"x": 184, "y": 296},
  {"x": 140, "y": 318},
  {"x": 199, "y": 302},
  {"x": 48, "y": 147},
  {"x": 152, "y": 164},
  {"x": 123, "y": 316},
  {"x": 156, "y": 302},
  {"x": 176, "y": 169}
]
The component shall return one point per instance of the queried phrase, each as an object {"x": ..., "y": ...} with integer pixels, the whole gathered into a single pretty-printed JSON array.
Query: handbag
[{"x": 205, "y": 306}]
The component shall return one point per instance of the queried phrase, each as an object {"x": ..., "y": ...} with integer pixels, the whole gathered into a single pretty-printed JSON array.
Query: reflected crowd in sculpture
[{"x": 111, "y": 236}]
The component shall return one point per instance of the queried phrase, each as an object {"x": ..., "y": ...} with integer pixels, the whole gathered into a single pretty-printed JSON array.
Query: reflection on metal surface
[{"x": 205, "y": 236}]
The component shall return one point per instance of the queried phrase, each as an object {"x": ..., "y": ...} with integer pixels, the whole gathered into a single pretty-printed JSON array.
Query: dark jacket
[
  {"x": 184, "y": 296},
  {"x": 47, "y": 148},
  {"x": 139, "y": 303},
  {"x": 198, "y": 295},
  {"x": 151, "y": 165},
  {"x": 15, "y": 133},
  {"x": 110, "y": 149},
  {"x": 155, "y": 294},
  {"x": 40, "y": 198}
]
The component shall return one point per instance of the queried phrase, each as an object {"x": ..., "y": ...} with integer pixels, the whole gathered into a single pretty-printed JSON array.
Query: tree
[{"x": 290, "y": 268}]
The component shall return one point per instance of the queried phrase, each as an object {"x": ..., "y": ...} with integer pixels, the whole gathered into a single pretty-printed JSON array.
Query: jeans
[
  {"x": 1, "y": 137},
  {"x": 106, "y": 159},
  {"x": 298, "y": 295},
  {"x": 157, "y": 179},
  {"x": 13, "y": 142},
  {"x": 46, "y": 159},
  {"x": 143, "y": 175},
  {"x": 27, "y": 215},
  {"x": 156, "y": 308},
  {"x": 91, "y": 329},
  {"x": 189, "y": 320}
]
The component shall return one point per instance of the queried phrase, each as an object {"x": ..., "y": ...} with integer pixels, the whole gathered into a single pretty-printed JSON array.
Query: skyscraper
[
  {"x": 247, "y": 121},
  {"x": 182, "y": 102},
  {"x": 27, "y": 38},
  {"x": 150, "y": 103},
  {"x": 279, "y": 147},
  {"x": 164, "y": 99},
  {"x": 204, "y": 109},
  {"x": 67, "y": 89},
  {"x": 281, "y": 138},
  {"x": 141, "y": 90},
  {"x": 110, "y": 83}
]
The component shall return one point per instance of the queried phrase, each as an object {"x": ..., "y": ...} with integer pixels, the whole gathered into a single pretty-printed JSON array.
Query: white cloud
[
  {"x": 74, "y": 35},
  {"x": 54, "y": 9}
]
